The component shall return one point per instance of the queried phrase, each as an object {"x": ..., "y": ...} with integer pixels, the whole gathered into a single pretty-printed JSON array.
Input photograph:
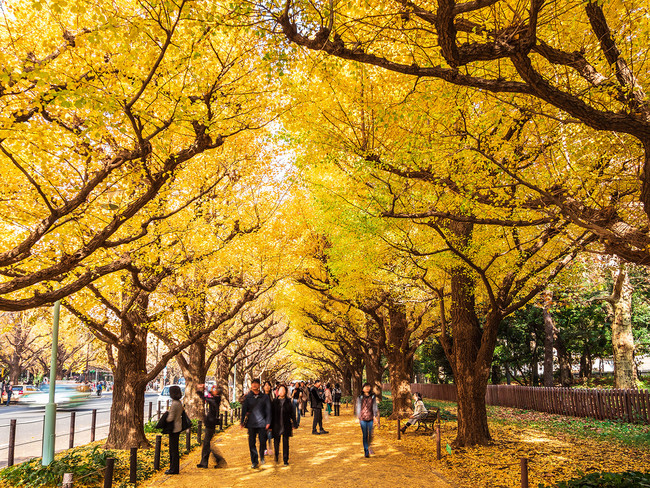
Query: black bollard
[
  {"x": 93, "y": 425},
  {"x": 188, "y": 439},
  {"x": 221, "y": 422},
  {"x": 12, "y": 442},
  {"x": 133, "y": 465},
  {"x": 72, "y": 422},
  {"x": 108, "y": 472},
  {"x": 156, "y": 456},
  {"x": 438, "y": 448},
  {"x": 199, "y": 428},
  {"x": 399, "y": 430},
  {"x": 150, "y": 410},
  {"x": 232, "y": 418},
  {"x": 159, "y": 409}
]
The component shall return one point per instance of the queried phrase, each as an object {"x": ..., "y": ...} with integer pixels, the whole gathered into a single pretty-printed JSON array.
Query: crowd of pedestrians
[{"x": 271, "y": 414}]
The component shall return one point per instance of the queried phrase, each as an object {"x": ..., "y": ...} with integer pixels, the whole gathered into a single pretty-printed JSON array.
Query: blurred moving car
[
  {"x": 66, "y": 394},
  {"x": 164, "y": 394},
  {"x": 18, "y": 392}
]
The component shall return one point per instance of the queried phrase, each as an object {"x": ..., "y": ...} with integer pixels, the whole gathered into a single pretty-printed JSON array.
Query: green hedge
[{"x": 628, "y": 479}]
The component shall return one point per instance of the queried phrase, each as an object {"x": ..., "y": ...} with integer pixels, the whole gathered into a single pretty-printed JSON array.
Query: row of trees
[{"x": 449, "y": 175}]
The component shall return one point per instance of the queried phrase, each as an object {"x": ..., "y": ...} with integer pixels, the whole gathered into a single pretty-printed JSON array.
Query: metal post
[
  {"x": 188, "y": 439},
  {"x": 438, "y": 450},
  {"x": 93, "y": 425},
  {"x": 232, "y": 417},
  {"x": 234, "y": 383},
  {"x": 133, "y": 465},
  {"x": 156, "y": 456},
  {"x": 108, "y": 472},
  {"x": 199, "y": 428},
  {"x": 150, "y": 410},
  {"x": 221, "y": 422},
  {"x": 524, "y": 472},
  {"x": 399, "y": 430},
  {"x": 72, "y": 422},
  {"x": 49, "y": 427},
  {"x": 158, "y": 409},
  {"x": 12, "y": 442},
  {"x": 167, "y": 404}
]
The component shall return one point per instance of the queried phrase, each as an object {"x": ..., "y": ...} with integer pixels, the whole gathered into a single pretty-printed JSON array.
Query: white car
[
  {"x": 66, "y": 394},
  {"x": 164, "y": 395}
]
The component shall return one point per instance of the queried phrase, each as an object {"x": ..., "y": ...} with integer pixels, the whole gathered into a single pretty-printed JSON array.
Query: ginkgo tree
[{"x": 102, "y": 106}]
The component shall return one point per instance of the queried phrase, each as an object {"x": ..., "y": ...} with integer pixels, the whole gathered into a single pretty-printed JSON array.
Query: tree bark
[
  {"x": 194, "y": 370},
  {"x": 470, "y": 349},
  {"x": 563, "y": 357},
  {"x": 549, "y": 328},
  {"x": 622, "y": 338},
  {"x": 374, "y": 369},
  {"x": 398, "y": 353},
  {"x": 127, "y": 415}
]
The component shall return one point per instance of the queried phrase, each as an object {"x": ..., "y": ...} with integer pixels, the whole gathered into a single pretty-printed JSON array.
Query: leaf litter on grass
[{"x": 552, "y": 458}]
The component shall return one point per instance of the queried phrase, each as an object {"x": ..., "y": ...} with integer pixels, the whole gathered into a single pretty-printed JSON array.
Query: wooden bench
[{"x": 428, "y": 422}]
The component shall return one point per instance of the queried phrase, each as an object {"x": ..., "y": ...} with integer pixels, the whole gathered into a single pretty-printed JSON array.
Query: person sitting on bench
[{"x": 419, "y": 411}]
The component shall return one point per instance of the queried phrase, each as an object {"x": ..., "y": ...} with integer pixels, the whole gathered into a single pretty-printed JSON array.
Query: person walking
[
  {"x": 328, "y": 398},
  {"x": 419, "y": 411},
  {"x": 367, "y": 411},
  {"x": 283, "y": 421},
  {"x": 211, "y": 403},
  {"x": 336, "y": 399},
  {"x": 316, "y": 398},
  {"x": 267, "y": 389},
  {"x": 9, "y": 388},
  {"x": 175, "y": 418},
  {"x": 295, "y": 400},
  {"x": 256, "y": 417},
  {"x": 304, "y": 397}
]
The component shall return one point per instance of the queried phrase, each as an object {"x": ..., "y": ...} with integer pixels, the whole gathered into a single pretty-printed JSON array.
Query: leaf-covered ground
[{"x": 555, "y": 454}]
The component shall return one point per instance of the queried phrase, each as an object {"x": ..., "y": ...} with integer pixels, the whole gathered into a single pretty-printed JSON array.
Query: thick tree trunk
[
  {"x": 549, "y": 328},
  {"x": 622, "y": 338},
  {"x": 194, "y": 368},
  {"x": 127, "y": 412},
  {"x": 469, "y": 350},
  {"x": 346, "y": 384},
  {"x": 374, "y": 370},
  {"x": 222, "y": 376},
  {"x": 398, "y": 354}
]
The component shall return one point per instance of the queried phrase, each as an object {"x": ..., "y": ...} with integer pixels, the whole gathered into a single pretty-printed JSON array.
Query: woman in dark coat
[{"x": 283, "y": 421}]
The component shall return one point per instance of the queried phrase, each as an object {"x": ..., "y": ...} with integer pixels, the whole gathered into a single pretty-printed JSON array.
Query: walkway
[{"x": 332, "y": 460}]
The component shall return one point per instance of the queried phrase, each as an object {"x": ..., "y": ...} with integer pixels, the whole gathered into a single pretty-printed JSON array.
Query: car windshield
[{"x": 165, "y": 391}]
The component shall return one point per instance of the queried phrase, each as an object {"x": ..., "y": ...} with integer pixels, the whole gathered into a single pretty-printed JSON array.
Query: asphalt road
[{"x": 29, "y": 428}]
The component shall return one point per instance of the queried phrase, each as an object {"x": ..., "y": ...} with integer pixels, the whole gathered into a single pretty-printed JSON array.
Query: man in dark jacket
[
  {"x": 316, "y": 398},
  {"x": 211, "y": 402},
  {"x": 256, "y": 417}
]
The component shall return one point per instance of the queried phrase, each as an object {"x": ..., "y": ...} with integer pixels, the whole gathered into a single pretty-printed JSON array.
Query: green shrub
[
  {"x": 628, "y": 479},
  {"x": 87, "y": 465}
]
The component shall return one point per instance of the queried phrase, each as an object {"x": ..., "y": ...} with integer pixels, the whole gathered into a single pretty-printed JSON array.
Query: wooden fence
[{"x": 625, "y": 405}]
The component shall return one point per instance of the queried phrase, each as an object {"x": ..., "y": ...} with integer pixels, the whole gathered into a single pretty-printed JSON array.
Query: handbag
[
  {"x": 164, "y": 425},
  {"x": 186, "y": 423}
]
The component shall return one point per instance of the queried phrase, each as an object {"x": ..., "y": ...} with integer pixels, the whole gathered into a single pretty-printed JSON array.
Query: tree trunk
[
  {"x": 194, "y": 368},
  {"x": 469, "y": 359},
  {"x": 222, "y": 374},
  {"x": 374, "y": 369},
  {"x": 549, "y": 328},
  {"x": 563, "y": 357},
  {"x": 496, "y": 374},
  {"x": 398, "y": 353},
  {"x": 622, "y": 338},
  {"x": 127, "y": 415},
  {"x": 346, "y": 384}
]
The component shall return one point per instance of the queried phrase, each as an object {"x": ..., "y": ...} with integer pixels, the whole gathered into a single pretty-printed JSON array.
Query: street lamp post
[{"x": 49, "y": 429}]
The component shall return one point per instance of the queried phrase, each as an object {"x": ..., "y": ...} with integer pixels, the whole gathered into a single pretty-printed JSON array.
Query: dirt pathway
[{"x": 332, "y": 460}]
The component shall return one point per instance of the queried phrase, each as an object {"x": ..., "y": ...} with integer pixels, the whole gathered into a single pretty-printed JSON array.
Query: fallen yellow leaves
[{"x": 552, "y": 458}]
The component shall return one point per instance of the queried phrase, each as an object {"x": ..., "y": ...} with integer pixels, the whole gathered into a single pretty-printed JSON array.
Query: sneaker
[
  {"x": 371, "y": 451},
  {"x": 367, "y": 454},
  {"x": 262, "y": 461},
  {"x": 254, "y": 466},
  {"x": 315, "y": 432},
  {"x": 202, "y": 466},
  {"x": 266, "y": 452},
  {"x": 324, "y": 432},
  {"x": 286, "y": 463}
]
